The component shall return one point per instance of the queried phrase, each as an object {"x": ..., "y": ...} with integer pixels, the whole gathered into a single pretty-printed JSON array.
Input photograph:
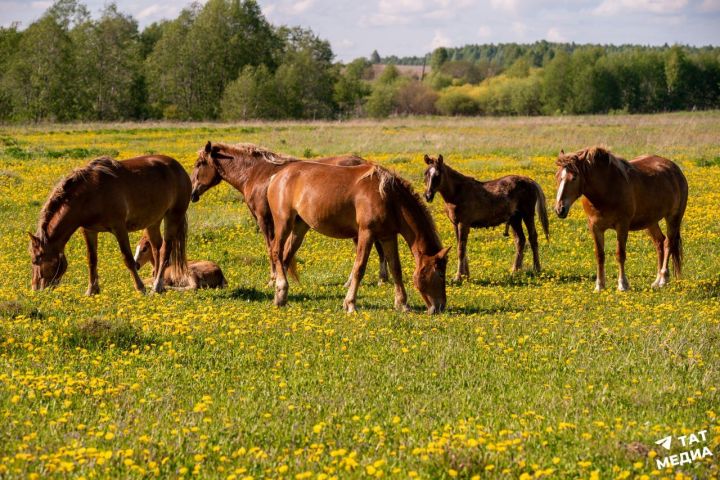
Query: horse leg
[
  {"x": 383, "y": 273},
  {"x": 294, "y": 241},
  {"x": 393, "y": 258},
  {"x": 91, "y": 243},
  {"x": 265, "y": 227},
  {"x": 659, "y": 241},
  {"x": 673, "y": 246},
  {"x": 529, "y": 221},
  {"x": 124, "y": 243},
  {"x": 365, "y": 242},
  {"x": 599, "y": 240},
  {"x": 283, "y": 228},
  {"x": 461, "y": 232},
  {"x": 620, "y": 254},
  {"x": 350, "y": 277},
  {"x": 174, "y": 232},
  {"x": 156, "y": 241},
  {"x": 519, "y": 236}
]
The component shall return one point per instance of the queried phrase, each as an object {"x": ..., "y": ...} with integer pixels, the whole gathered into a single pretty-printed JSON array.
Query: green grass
[{"x": 525, "y": 374}]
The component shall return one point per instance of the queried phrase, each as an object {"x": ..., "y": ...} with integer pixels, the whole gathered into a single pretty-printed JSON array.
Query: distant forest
[{"x": 224, "y": 61}]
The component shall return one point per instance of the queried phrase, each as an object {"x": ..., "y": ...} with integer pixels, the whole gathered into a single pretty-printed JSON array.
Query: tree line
[{"x": 224, "y": 60}]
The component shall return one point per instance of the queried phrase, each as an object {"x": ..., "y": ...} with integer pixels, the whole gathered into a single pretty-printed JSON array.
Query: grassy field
[{"x": 523, "y": 377}]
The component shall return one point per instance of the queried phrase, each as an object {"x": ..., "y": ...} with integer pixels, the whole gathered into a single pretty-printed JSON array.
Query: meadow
[{"x": 524, "y": 376}]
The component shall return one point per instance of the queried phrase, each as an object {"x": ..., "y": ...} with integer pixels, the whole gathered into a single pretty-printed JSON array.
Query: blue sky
[{"x": 413, "y": 27}]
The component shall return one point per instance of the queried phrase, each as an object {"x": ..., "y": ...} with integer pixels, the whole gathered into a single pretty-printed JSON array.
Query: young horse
[
  {"x": 365, "y": 202},
  {"x": 200, "y": 273},
  {"x": 117, "y": 197},
  {"x": 625, "y": 196},
  {"x": 469, "y": 203},
  {"x": 249, "y": 168}
]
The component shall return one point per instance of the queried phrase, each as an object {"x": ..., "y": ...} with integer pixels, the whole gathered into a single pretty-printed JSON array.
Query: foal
[
  {"x": 470, "y": 203},
  {"x": 625, "y": 196},
  {"x": 200, "y": 273}
]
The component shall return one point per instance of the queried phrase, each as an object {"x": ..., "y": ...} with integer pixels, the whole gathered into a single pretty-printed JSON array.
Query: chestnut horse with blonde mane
[
  {"x": 248, "y": 168},
  {"x": 625, "y": 196},
  {"x": 366, "y": 202},
  {"x": 116, "y": 197}
]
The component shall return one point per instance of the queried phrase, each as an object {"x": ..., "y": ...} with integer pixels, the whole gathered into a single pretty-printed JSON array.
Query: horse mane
[
  {"x": 390, "y": 181},
  {"x": 250, "y": 150},
  {"x": 69, "y": 185},
  {"x": 590, "y": 156}
]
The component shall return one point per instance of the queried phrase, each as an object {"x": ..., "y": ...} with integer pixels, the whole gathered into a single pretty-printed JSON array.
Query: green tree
[
  {"x": 439, "y": 56},
  {"x": 375, "y": 57},
  {"x": 40, "y": 77},
  {"x": 108, "y": 57},
  {"x": 254, "y": 94},
  {"x": 351, "y": 90}
]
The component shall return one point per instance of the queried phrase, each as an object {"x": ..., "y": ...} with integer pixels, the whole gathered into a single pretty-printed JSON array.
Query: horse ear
[
  {"x": 442, "y": 254},
  {"x": 562, "y": 152},
  {"x": 34, "y": 241},
  {"x": 208, "y": 147},
  {"x": 428, "y": 160},
  {"x": 214, "y": 151},
  {"x": 440, "y": 160}
]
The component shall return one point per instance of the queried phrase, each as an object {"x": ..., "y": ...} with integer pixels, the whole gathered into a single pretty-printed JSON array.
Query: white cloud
[
  {"x": 505, "y": 5},
  {"x": 41, "y": 5},
  {"x": 440, "y": 40},
  {"x": 484, "y": 31},
  {"x": 710, "y": 6},
  {"x": 553, "y": 35},
  {"x": 301, "y": 6},
  {"x": 519, "y": 28},
  {"x": 613, "y": 7}
]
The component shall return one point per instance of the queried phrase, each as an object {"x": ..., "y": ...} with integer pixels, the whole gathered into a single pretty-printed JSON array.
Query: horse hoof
[
  {"x": 279, "y": 302},
  {"x": 92, "y": 291},
  {"x": 380, "y": 283},
  {"x": 599, "y": 289},
  {"x": 271, "y": 283},
  {"x": 349, "y": 307},
  {"x": 403, "y": 308},
  {"x": 457, "y": 280}
]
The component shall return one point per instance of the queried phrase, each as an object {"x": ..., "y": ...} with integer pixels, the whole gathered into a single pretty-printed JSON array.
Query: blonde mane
[
  {"x": 389, "y": 181},
  {"x": 68, "y": 186},
  {"x": 591, "y": 156},
  {"x": 250, "y": 150}
]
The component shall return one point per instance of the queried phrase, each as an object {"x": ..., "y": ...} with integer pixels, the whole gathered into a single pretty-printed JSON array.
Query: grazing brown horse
[
  {"x": 116, "y": 197},
  {"x": 625, "y": 196},
  {"x": 469, "y": 203},
  {"x": 366, "y": 202},
  {"x": 200, "y": 273},
  {"x": 249, "y": 168}
]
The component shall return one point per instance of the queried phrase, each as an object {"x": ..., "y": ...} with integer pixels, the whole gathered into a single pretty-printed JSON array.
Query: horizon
[{"x": 407, "y": 28}]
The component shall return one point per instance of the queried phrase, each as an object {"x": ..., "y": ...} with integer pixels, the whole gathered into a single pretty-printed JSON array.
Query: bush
[
  {"x": 380, "y": 101},
  {"x": 415, "y": 98},
  {"x": 457, "y": 103}
]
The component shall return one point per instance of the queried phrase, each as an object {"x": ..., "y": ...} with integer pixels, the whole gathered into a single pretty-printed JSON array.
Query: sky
[{"x": 415, "y": 27}]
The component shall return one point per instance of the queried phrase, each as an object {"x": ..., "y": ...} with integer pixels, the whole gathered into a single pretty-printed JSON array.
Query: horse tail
[
  {"x": 178, "y": 254},
  {"x": 292, "y": 269},
  {"x": 541, "y": 206},
  {"x": 675, "y": 245}
]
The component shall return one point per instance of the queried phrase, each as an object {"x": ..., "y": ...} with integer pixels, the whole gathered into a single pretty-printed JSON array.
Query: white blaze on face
[
  {"x": 431, "y": 174},
  {"x": 137, "y": 253},
  {"x": 561, "y": 188}
]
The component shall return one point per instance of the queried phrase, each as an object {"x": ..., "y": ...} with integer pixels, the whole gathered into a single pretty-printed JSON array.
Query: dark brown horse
[
  {"x": 116, "y": 197},
  {"x": 366, "y": 202},
  {"x": 248, "y": 168},
  {"x": 470, "y": 203},
  {"x": 625, "y": 196}
]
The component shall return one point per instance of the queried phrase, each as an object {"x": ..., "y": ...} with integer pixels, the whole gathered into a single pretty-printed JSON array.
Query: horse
[
  {"x": 366, "y": 202},
  {"x": 249, "y": 168},
  {"x": 200, "y": 273},
  {"x": 470, "y": 203},
  {"x": 117, "y": 197},
  {"x": 625, "y": 196}
]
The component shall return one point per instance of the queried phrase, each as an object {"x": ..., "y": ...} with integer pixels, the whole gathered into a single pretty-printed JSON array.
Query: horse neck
[
  {"x": 416, "y": 228},
  {"x": 600, "y": 184},
  {"x": 61, "y": 227},
  {"x": 239, "y": 171},
  {"x": 449, "y": 186}
]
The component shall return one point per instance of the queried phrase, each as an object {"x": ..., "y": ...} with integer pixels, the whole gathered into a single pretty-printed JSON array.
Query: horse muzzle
[
  {"x": 562, "y": 211},
  {"x": 194, "y": 195},
  {"x": 429, "y": 196}
]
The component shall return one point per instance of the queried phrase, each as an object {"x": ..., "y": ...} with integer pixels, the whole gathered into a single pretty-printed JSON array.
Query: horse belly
[{"x": 336, "y": 221}]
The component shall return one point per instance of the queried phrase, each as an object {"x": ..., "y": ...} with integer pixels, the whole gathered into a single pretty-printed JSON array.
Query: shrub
[{"x": 457, "y": 103}]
